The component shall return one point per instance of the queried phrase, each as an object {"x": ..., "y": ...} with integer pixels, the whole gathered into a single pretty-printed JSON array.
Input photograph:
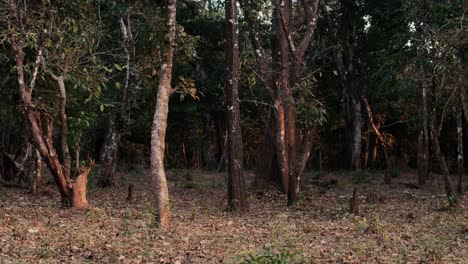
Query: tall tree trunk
[
  {"x": 158, "y": 130},
  {"x": 283, "y": 94},
  {"x": 423, "y": 141},
  {"x": 449, "y": 187},
  {"x": 35, "y": 173},
  {"x": 108, "y": 155},
  {"x": 66, "y": 158},
  {"x": 460, "y": 156},
  {"x": 267, "y": 170},
  {"x": 109, "y": 151},
  {"x": 356, "y": 134},
  {"x": 237, "y": 198}
]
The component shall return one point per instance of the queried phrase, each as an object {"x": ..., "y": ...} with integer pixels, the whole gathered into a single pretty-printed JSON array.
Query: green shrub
[
  {"x": 271, "y": 255},
  {"x": 358, "y": 177}
]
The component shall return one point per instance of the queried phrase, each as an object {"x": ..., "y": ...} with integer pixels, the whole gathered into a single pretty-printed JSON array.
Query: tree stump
[
  {"x": 130, "y": 193},
  {"x": 354, "y": 203}
]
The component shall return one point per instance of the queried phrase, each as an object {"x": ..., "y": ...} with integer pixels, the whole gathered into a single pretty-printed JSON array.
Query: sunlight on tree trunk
[{"x": 158, "y": 130}]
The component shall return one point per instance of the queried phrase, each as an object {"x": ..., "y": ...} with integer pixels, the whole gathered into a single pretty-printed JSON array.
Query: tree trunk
[
  {"x": 66, "y": 159},
  {"x": 423, "y": 141},
  {"x": 460, "y": 156},
  {"x": 42, "y": 136},
  {"x": 449, "y": 187},
  {"x": 158, "y": 130},
  {"x": 237, "y": 197},
  {"x": 267, "y": 168},
  {"x": 78, "y": 189},
  {"x": 356, "y": 134},
  {"x": 108, "y": 156},
  {"x": 109, "y": 151},
  {"x": 36, "y": 172},
  {"x": 293, "y": 194}
]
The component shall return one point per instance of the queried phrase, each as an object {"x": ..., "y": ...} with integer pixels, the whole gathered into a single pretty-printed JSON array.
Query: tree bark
[
  {"x": 237, "y": 197},
  {"x": 460, "y": 156},
  {"x": 267, "y": 168},
  {"x": 118, "y": 121},
  {"x": 158, "y": 131},
  {"x": 287, "y": 61},
  {"x": 423, "y": 141},
  {"x": 356, "y": 134},
  {"x": 66, "y": 159}
]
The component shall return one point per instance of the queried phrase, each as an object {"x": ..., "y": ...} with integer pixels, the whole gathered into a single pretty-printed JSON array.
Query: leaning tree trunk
[
  {"x": 109, "y": 151},
  {"x": 388, "y": 163},
  {"x": 42, "y": 136},
  {"x": 237, "y": 197},
  {"x": 158, "y": 130}
]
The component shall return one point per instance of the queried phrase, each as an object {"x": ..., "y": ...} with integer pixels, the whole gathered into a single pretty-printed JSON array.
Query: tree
[
  {"x": 237, "y": 198},
  {"x": 30, "y": 28},
  {"x": 158, "y": 130},
  {"x": 118, "y": 120},
  {"x": 287, "y": 65}
]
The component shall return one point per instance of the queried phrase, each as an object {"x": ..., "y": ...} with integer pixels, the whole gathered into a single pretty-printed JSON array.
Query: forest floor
[{"x": 396, "y": 224}]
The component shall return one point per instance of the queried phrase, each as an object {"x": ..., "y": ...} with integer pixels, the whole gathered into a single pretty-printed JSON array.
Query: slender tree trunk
[
  {"x": 460, "y": 156},
  {"x": 237, "y": 198},
  {"x": 356, "y": 134},
  {"x": 158, "y": 131},
  {"x": 423, "y": 141},
  {"x": 36, "y": 172},
  {"x": 66, "y": 158},
  {"x": 449, "y": 186},
  {"x": 109, "y": 151},
  {"x": 266, "y": 163},
  {"x": 108, "y": 155}
]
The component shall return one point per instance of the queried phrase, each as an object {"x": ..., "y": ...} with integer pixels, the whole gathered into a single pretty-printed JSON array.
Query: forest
[{"x": 236, "y": 131}]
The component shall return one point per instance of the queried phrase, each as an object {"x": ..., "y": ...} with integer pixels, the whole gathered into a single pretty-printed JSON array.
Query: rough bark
[
  {"x": 423, "y": 141},
  {"x": 287, "y": 61},
  {"x": 265, "y": 171},
  {"x": 65, "y": 151},
  {"x": 346, "y": 71},
  {"x": 293, "y": 194},
  {"x": 356, "y": 134},
  {"x": 237, "y": 197},
  {"x": 108, "y": 156},
  {"x": 460, "y": 156},
  {"x": 78, "y": 188},
  {"x": 158, "y": 131}
]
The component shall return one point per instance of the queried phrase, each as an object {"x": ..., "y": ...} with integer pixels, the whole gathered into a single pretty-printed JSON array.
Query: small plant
[
  {"x": 450, "y": 201},
  {"x": 358, "y": 177},
  {"x": 271, "y": 255}
]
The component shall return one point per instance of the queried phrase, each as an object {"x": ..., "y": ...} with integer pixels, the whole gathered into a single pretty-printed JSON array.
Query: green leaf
[
  {"x": 101, "y": 107},
  {"x": 118, "y": 67}
]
